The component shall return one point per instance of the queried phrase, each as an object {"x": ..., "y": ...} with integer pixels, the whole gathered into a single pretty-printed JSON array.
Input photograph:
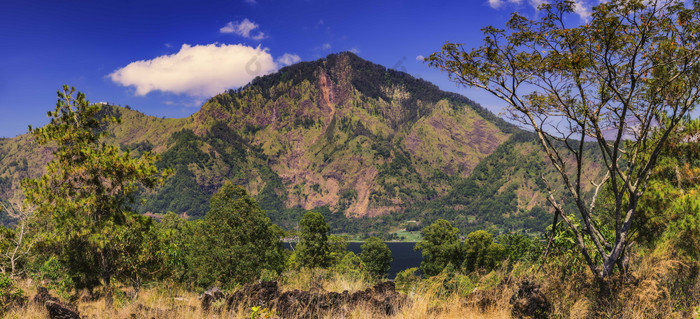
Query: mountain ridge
[{"x": 339, "y": 134}]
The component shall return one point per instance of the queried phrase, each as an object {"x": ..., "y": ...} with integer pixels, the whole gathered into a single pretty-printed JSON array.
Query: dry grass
[
  {"x": 163, "y": 302},
  {"x": 660, "y": 286}
]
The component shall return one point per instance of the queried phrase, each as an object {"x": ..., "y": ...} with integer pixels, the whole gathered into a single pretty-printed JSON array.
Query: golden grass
[
  {"x": 660, "y": 286},
  {"x": 163, "y": 302}
]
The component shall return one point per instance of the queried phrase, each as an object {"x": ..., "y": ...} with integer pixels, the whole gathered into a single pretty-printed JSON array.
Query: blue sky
[{"x": 165, "y": 58}]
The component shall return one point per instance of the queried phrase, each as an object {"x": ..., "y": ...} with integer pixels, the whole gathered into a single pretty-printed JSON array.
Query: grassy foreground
[{"x": 659, "y": 286}]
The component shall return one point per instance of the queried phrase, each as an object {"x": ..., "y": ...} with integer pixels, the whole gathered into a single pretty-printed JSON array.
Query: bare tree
[
  {"x": 633, "y": 69},
  {"x": 17, "y": 243}
]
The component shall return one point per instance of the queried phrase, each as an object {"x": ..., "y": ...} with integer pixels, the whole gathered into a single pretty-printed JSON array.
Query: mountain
[{"x": 340, "y": 135}]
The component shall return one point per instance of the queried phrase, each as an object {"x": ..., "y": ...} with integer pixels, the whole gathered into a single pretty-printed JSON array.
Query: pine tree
[{"x": 84, "y": 199}]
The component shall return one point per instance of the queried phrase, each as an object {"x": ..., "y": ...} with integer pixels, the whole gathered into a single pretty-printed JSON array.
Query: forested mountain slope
[{"x": 341, "y": 135}]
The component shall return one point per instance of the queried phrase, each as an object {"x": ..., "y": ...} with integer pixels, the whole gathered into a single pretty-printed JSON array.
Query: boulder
[
  {"x": 210, "y": 296},
  {"x": 529, "y": 302},
  {"x": 42, "y": 296},
  {"x": 315, "y": 303},
  {"x": 60, "y": 311}
]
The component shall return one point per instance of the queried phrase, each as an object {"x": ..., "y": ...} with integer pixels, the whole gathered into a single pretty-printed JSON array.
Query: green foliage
[
  {"x": 239, "y": 241},
  {"x": 179, "y": 240},
  {"x": 376, "y": 256},
  {"x": 520, "y": 247},
  {"x": 440, "y": 246},
  {"x": 564, "y": 253},
  {"x": 83, "y": 200},
  {"x": 10, "y": 295},
  {"x": 481, "y": 253},
  {"x": 407, "y": 279},
  {"x": 670, "y": 210},
  {"x": 450, "y": 281},
  {"x": 352, "y": 266},
  {"x": 53, "y": 274},
  {"x": 338, "y": 246},
  {"x": 313, "y": 249},
  {"x": 141, "y": 257}
]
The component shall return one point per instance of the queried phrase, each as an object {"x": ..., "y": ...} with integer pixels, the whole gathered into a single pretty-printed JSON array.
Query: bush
[
  {"x": 407, "y": 279},
  {"x": 376, "y": 256},
  {"x": 55, "y": 277},
  {"x": 10, "y": 295},
  {"x": 352, "y": 267}
]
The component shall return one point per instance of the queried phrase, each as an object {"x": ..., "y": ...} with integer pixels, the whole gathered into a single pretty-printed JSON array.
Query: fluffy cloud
[
  {"x": 581, "y": 10},
  {"x": 420, "y": 58},
  {"x": 536, "y": 3},
  {"x": 244, "y": 29},
  {"x": 498, "y": 3},
  {"x": 288, "y": 59},
  {"x": 200, "y": 70}
]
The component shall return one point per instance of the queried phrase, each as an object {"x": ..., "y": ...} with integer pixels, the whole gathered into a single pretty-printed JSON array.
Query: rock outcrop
[
  {"x": 529, "y": 302},
  {"x": 56, "y": 309},
  {"x": 311, "y": 304}
]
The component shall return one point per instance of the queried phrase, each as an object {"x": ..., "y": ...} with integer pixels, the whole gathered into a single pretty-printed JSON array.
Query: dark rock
[
  {"x": 255, "y": 295},
  {"x": 210, "y": 296},
  {"x": 316, "y": 303},
  {"x": 529, "y": 302},
  {"x": 42, "y": 296},
  {"x": 60, "y": 311},
  {"x": 382, "y": 296}
]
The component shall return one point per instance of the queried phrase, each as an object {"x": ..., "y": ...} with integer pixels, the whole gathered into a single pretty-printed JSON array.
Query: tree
[
  {"x": 17, "y": 243},
  {"x": 481, "y": 252},
  {"x": 313, "y": 249},
  {"x": 633, "y": 69},
  {"x": 84, "y": 199},
  {"x": 440, "y": 246},
  {"x": 239, "y": 240},
  {"x": 180, "y": 243},
  {"x": 376, "y": 256}
]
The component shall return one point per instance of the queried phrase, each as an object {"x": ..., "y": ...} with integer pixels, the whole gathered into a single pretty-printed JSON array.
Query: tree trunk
[{"x": 106, "y": 279}]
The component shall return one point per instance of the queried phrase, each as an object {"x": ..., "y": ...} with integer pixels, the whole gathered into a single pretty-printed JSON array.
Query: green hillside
[{"x": 369, "y": 147}]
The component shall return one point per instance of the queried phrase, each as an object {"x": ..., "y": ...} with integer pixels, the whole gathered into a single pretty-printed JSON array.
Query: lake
[{"x": 404, "y": 255}]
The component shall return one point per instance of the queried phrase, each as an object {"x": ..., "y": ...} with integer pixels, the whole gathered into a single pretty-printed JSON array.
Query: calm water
[{"x": 404, "y": 256}]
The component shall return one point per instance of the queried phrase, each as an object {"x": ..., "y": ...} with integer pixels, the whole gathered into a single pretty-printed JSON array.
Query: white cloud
[
  {"x": 200, "y": 70},
  {"x": 355, "y": 50},
  {"x": 288, "y": 59},
  {"x": 536, "y": 3},
  {"x": 581, "y": 10},
  {"x": 498, "y": 3},
  {"x": 326, "y": 46},
  {"x": 420, "y": 58},
  {"x": 244, "y": 29}
]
